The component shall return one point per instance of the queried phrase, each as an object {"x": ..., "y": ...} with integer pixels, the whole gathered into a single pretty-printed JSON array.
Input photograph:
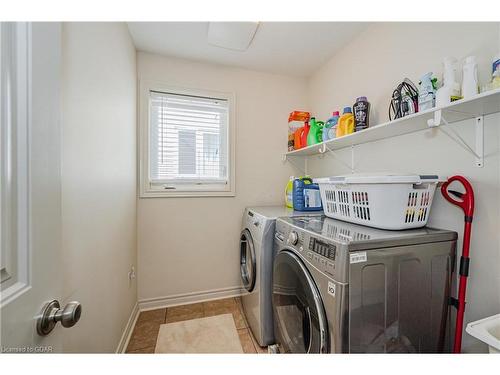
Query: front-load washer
[
  {"x": 345, "y": 288},
  {"x": 256, "y": 265}
]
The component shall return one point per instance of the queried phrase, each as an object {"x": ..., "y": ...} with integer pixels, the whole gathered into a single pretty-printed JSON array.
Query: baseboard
[
  {"x": 185, "y": 299},
  {"x": 129, "y": 328}
]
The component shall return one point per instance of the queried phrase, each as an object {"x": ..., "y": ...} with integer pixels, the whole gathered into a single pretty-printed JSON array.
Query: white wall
[
  {"x": 98, "y": 181},
  {"x": 372, "y": 65},
  {"x": 190, "y": 245}
]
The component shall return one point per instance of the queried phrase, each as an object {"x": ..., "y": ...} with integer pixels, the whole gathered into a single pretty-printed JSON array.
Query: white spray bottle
[
  {"x": 470, "y": 83},
  {"x": 450, "y": 90},
  {"x": 426, "y": 93}
]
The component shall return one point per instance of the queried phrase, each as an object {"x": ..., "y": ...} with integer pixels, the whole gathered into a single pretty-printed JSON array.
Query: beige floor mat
[{"x": 215, "y": 334}]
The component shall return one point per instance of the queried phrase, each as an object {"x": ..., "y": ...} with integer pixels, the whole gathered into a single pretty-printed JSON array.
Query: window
[{"x": 186, "y": 140}]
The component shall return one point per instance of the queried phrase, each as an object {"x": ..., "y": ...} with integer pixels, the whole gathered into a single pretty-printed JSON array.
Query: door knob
[{"x": 52, "y": 313}]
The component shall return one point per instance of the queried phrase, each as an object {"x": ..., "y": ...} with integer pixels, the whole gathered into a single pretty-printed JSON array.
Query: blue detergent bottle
[
  {"x": 330, "y": 127},
  {"x": 306, "y": 195}
]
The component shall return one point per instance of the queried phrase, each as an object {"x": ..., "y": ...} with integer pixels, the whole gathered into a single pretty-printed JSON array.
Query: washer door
[
  {"x": 247, "y": 260},
  {"x": 299, "y": 317}
]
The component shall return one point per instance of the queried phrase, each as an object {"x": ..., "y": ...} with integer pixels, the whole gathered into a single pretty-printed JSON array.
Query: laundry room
[{"x": 250, "y": 189}]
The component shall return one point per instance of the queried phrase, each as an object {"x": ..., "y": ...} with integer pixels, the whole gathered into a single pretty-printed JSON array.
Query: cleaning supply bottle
[
  {"x": 315, "y": 132},
  {"x": 330, "y": 128},
  {"x": 470, "y": 83},
  {"x": 289, "y": 193},
  {"x": 296, "y": 120},
  {"x": 303, "y": 134},
  {"x": 495, "y": 73},
  {"x": 361, "y": 111},
  {"x": 306, "y": 195},
  {"x": 346, "y": 123},
  {"x": 450, "y": 90},
  {"x": 426, "y": 93},
  {"x": 297, "y": 141}
]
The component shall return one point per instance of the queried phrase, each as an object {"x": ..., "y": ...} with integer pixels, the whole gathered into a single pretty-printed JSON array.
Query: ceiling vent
[{"x": 235, "y": 36}]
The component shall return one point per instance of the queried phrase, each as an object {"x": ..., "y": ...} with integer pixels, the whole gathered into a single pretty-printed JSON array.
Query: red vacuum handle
[{"x": 466, "y": 202}]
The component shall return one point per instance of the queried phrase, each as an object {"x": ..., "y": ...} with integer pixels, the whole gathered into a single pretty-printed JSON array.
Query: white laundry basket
[
  {"x": 380, "y": 201},
  {"x": 488, "y": 331}
]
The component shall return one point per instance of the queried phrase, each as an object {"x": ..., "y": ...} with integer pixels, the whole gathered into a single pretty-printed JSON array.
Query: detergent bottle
[
  {"x": 315, "y": 132},
  {"x": 495, "y": 73},
  {"x": 304, "y": 133},
  {"x": 346, "y": 123},
  {"x": 306, "y": 195},
  {"x": 296, "y": 121},
  {"x": 470, "y": 82},
  {"x": 297, "y": 141},
  {"x": 450, "y": 90},
  {"x": 289, "y": 193},
  {"x": 331, "y": 126}
]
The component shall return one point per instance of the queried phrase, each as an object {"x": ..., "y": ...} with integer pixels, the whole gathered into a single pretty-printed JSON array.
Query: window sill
[{"x": 157, "y": 193}]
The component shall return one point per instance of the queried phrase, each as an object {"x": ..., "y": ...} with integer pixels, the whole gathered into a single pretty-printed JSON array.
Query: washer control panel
[
  {"x": 322, "y": 248},
  {"x": 318, "y": 252}
]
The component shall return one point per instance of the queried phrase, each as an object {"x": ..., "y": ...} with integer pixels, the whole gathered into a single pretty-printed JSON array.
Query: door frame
[
  {"x": 40, "y": 279},
  {"x": 15, "y": 145}
]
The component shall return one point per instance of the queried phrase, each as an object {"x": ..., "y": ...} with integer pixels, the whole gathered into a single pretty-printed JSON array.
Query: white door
[{"x": 31, "y": 183}]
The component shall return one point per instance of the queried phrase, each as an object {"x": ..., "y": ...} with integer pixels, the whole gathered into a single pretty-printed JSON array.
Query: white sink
[{"x": 488, "y": 331}]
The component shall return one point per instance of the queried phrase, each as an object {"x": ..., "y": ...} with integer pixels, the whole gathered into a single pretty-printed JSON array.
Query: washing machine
[
  {"x": 345, "y": 288},
  {"x": 256, "y": 266}
]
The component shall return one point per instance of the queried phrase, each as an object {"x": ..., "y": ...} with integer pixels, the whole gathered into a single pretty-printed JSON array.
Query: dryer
[
  {"x": 256, "y": 263},
  {"x": 345, "y": 288}
]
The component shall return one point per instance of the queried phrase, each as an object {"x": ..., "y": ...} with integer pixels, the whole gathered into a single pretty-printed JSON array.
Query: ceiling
[{"x": 293, "y": 48}]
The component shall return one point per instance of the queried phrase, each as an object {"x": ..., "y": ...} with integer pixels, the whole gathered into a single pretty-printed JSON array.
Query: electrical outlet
[{"x": 131, "y": 273}]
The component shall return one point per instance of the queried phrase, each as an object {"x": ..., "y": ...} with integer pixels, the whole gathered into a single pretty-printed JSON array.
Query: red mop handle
[{"x": 466, "y": 202}]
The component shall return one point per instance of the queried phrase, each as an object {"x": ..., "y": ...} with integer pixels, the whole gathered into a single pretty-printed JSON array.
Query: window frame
[{"x": 149, "y": 190}]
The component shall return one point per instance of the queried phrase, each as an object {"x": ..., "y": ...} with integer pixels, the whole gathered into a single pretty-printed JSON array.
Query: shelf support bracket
[
  {"x": 479, "y": 141},
  {"x": 478, "y": 151},
  {"x": 325, "y": 150},
  {"x": 436, "y": 121},
  {"x": 285, "y": 158}
]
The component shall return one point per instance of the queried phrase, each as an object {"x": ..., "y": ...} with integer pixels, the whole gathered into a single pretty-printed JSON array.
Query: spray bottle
[{"x": 426, "y": 93}]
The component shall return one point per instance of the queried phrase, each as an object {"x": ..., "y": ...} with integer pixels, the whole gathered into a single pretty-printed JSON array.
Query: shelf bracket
[
  {"x": 436, "y": 121},
  {"x": 325, "y": 150},
  {"x": 478, "y": 151},
  {"x": 480, "y": 141},
  {"x": 285, "y": 158}
]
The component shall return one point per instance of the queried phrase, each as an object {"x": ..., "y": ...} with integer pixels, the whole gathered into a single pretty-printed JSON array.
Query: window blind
[{"x": 188, "y": 139}]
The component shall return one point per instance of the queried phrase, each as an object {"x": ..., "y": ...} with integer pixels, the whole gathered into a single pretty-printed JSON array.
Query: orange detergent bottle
[
  {"x": 303, "y": 135},
  {"x": 297, "y": 138},
  {"x": 346, "y": 123},
  {"x": 296, "y": 122}
]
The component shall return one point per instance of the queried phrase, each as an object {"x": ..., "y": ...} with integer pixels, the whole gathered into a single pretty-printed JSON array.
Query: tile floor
[{"x": 146, "y": 330}]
